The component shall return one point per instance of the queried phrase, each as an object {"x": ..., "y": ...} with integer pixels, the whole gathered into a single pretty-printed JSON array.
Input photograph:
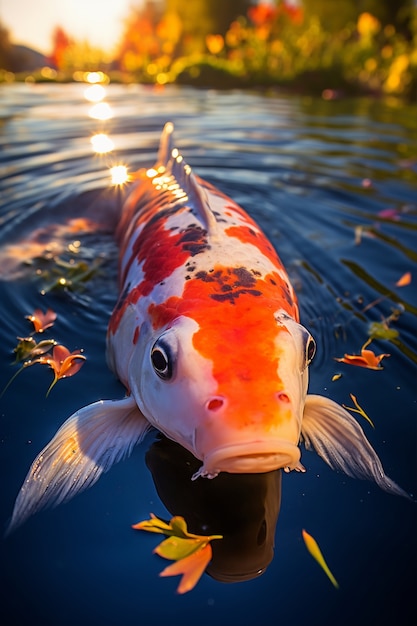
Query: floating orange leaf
[
  {"x": 191, "y": 567},
  {"x": 63, "y": 363},
  {"x": 404, "y": 280},
  {"x": 367, "y": 358},
  {"x": 313, "y": 548},
  {"x": 191, "y": 552},
  {"x": 41, "y": 321}
]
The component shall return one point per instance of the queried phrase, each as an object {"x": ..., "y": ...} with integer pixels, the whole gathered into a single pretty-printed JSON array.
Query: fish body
[
  {"x": 205, "y": 313},
  {"x": 207, "y": 340}
]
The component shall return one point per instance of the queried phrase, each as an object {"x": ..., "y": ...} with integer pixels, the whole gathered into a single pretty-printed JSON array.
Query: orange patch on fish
[{"x": 247, "y": 320}]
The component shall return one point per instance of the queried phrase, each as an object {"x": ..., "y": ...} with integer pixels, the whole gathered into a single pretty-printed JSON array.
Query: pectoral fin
[
  {"x": 337, "y": 437},
  {"x": 86, "y": 445}
]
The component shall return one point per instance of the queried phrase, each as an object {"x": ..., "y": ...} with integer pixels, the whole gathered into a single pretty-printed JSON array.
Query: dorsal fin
[
  {"x": 165, "y": 146},
  {"x": 174, "y": 164}
]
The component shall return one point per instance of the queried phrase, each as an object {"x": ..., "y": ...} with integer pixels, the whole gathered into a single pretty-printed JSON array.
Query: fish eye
[
  {"x": 310, "y": 350},
  {"x": 161, "y": 360}
]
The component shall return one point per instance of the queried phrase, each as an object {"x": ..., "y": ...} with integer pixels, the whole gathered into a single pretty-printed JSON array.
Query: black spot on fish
[
  {"x": 286, "y": 293},
  {"x": 161, "y": 215},
  {"x": 231, "y": 296},
  {"x": 245, "y": 278},
  {"x": 204, "y": 276},
  {"x": 194, "y": 239},
  {"x": 219, "y": 217}
]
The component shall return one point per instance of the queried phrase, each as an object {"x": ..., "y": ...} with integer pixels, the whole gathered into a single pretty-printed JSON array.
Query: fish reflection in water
[{"x": 244, "y": 508}]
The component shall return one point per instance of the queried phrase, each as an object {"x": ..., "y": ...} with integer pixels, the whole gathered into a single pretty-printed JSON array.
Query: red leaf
[{"x": 41, "y": 321}]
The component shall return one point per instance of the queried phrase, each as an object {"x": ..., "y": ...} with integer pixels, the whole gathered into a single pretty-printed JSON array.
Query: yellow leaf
[
  {"x": 154, "y": 525},
  {"x": 313, "y": 548},
  {"x": 175, "y": 548},
  {"x": 358, "y": 409},
  {"x": 190, "y": 552}
]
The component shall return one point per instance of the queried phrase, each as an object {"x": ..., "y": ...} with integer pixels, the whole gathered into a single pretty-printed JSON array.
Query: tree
[
  {"x": 61, "y": 42},
  {"x": 334, "y": 15},
  {"x": 5, "y": 49},
  {"x": 140, "y": 43},
  {"x": 200, "y": 18}
]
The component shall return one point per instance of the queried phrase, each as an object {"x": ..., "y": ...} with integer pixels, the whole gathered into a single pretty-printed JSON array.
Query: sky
[{"x": 31, "y": 22}]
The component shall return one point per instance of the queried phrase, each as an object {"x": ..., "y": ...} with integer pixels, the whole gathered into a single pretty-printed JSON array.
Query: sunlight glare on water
[{"x": 333, "y": 184}]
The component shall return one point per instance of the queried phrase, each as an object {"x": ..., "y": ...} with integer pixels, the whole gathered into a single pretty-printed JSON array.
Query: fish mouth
[{"x": 251, "y": 458}]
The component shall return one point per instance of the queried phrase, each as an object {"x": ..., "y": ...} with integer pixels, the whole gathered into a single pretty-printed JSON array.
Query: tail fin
[
  {"x": 337, "y": 437},
  {"x": 85, "y": 446}
]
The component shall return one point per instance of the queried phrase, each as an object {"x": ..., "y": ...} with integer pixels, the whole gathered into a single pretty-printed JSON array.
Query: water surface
[{"x": 334, "y": 186}]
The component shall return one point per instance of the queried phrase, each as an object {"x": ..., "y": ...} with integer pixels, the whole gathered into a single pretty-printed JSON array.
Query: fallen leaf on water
[
  {"x": 63, "y": 363},
  {"x": 367, "y": 358},
  {"x": 404, "y": 280},
  {"x": 191, "y": 552},
  {"x": 28, "y": 349},
  {"x": 30, "y": 352},
  {"x": 176, "y": 548},
  {"x": 381, "y": 330},
  {"x": 191, "y": 568},
  {"x": 41, "y": 321},
  {"x": 313, "y": 548},
  {"x": 358, "y": 409}
]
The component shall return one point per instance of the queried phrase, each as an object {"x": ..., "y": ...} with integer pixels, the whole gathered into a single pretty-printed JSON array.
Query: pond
[{"x": 333, "y": 183}]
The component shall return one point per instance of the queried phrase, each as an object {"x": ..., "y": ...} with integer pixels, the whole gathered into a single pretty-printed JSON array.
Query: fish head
[{"x": 229, "y": 392}]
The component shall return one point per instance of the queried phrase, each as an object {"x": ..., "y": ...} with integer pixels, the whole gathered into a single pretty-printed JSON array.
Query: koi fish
[{"x": 206, "y": 337}]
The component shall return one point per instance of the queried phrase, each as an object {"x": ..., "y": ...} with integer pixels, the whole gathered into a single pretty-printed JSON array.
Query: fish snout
[{"x": 237, "y": 437}]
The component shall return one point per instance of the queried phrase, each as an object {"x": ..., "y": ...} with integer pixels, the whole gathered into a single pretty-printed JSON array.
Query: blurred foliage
[{"x": 315, "y": 46}]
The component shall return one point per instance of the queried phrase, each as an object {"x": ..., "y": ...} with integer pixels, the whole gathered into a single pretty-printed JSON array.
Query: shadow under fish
[{"x": 244, "y": 508}]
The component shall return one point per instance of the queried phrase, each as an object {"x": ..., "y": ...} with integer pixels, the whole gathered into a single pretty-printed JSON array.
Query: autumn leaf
[
  {"x": 358, "y": 409},
  {"x": 41, "y": 321},
  {"x": 381, "y": 330},
  {"x": 27, "y": 348},
  {"x": 154, "y": 525},
  {"x": 191, "y": 568},
  {"x": 313, "y": 548},
  {"x": 367, "y": 358},
  {"x": 63, "y": 363},
  {"x": 30, "y": 352},
  {"x": 191, "y": 552},
  {"x": 176, "y": 548},
  {"x": 177, "y": 526},
  {"x": 404, "y": 280}
]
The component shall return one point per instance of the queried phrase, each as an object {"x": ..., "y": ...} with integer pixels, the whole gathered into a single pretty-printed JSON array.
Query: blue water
[{"x": 334, "y": 186}]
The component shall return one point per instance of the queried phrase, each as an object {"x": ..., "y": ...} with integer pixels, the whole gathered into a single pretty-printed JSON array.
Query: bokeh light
[
  {"x": 101, "y": 111},
  {"x": 119, "y": 175},
  {"x": 95, "y": 93},
  {"x": 102, "y": 143}
]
